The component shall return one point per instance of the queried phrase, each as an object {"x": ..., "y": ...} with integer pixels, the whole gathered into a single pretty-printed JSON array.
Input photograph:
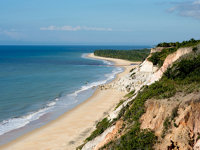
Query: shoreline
[{"x": 70, "y": 129}]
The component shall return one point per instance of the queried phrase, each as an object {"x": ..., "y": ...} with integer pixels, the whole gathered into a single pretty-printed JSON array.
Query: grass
[
  {"x": 130, "y": 94},
  {"x": 121, "y": 102},
  {"x": 100, "y": 128}
]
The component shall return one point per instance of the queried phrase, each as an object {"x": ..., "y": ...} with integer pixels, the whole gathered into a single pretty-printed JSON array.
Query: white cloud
[
  {"x": 77, "y": 28},
  {"x": 197, "y": 2},
  {"x": 11, "y": 33},
  {"x": 189, "y": 8}
]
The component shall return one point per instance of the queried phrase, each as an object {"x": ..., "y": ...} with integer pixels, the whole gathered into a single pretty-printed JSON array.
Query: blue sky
[{"x": 98, "y": 22}]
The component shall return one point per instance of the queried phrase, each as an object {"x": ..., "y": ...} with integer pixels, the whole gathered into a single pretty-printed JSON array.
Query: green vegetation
[
  {"x": 198, "y": 137},
  {"x": 178, "y": 78},
  {"x": 100, "y": 128},
  {"x": 164, "y": 44},
  {"x": 137, "y": 139},
  {"x": 183, "y": 76},
  {"x": 166, "y": 126},
  {"x": 121, "y": 102},
  {"x": 159, "y": 90},
  {"x": 132, "y": 55},
  {"x": 191, "y": 42},
  {"x": 174, "y": 113},
  {"x": 158, "y": 58},
  {"x": 130, "y": 94},
  {"x": 195, "y": 49},
  {"x": 132, "y": 69},
  {"x": 187, "y": 69},
  {"x": 134, "y": 139},
  {"x": 132, "y": 75},
  {"x": 80, "y": 147}
]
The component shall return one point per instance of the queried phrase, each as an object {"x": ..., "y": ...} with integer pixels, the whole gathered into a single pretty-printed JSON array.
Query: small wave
[
  {"x": 113, "y": 74},
  {"x": 15, "y": 123},
  {"x": 107, "y": 62},
  {"x": 95, "y": 84},
  {"x": 56, "y": 99},
  {"x": 51, "y": 104},
  {"x": 86, "y": 87}
]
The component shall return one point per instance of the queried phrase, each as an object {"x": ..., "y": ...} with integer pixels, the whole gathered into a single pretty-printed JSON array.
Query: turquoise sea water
[{"x": 36, "y": 80}]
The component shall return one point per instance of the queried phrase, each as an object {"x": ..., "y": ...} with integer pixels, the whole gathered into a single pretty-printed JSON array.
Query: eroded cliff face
[
  {"x": 157, "y": 111},
  {"x": 146, "y": 73},
  {"x": 183, "y": 131}
]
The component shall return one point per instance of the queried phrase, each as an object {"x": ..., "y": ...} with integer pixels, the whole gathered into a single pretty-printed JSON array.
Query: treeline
[
  {"x": 189, "y": 43},
  {"x": 132, "y": 55}
]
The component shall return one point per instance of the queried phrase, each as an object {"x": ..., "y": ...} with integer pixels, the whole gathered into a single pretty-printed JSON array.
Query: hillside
[{"x": 162, "y": 107}]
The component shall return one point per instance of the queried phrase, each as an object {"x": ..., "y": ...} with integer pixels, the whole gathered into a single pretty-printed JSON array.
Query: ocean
[{"x": 38, "y": 81}]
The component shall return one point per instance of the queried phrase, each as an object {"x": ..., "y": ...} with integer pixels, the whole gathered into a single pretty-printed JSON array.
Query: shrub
[
  {"x": 130, "y": 94},
  {"x": 174, "y": 113},
  {"x": 134, "y": 139},
  {"x": 100, "y": 128},
  {"x": 191, "y": 42},
  {"x": 185, "y": 72},
  {"x": 159, "y": 57},
  {"x": 121, "y": 102},
  {"x": 194, "y": 49},
  {"x": 166, "y": 126}
]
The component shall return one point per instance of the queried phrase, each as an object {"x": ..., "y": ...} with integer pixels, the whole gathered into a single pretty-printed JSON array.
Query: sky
[{"x": 98, "y": 22}]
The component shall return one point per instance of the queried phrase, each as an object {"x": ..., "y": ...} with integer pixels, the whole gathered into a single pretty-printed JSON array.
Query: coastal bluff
[{"x": 174, "y": 120}]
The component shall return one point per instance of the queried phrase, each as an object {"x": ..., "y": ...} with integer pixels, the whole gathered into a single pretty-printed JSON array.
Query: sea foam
[
  {"x": 18, "y": 122},
  {"x": 109, "y": 76}
]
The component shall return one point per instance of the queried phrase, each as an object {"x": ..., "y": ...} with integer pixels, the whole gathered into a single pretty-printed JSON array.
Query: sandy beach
[{"x": 70, "y": 130}]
